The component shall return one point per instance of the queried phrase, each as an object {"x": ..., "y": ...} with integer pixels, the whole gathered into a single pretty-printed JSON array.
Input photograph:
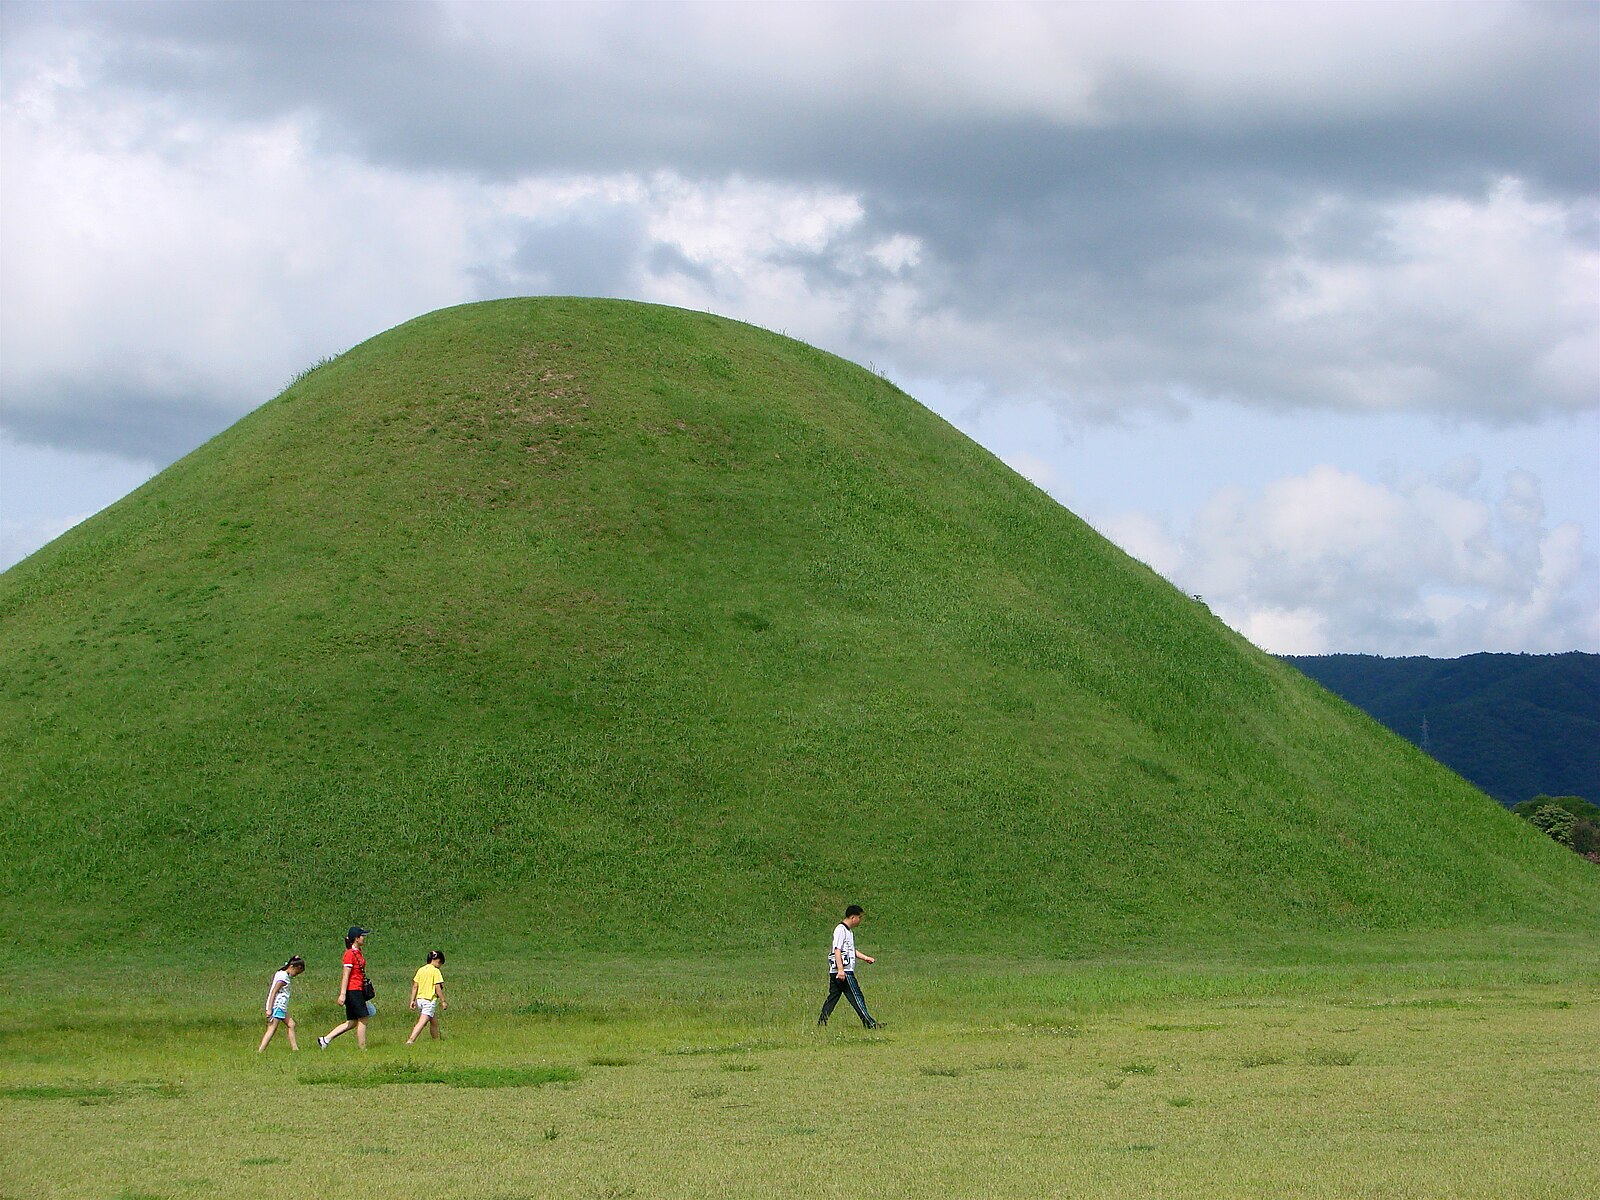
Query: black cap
[{"x": 356, "y": 931}]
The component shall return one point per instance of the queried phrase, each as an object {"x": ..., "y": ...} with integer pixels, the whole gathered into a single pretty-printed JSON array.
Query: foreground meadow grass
[{"x": 1385, "y": 1070}]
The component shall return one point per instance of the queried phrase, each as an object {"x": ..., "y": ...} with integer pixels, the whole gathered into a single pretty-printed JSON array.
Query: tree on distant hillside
[
  {"x": 1580, "y": 808},
  {"x": 1586, "y": 838},
  {"x": 1570, "y": 820},
  {"x": 1555, "y": 821}
]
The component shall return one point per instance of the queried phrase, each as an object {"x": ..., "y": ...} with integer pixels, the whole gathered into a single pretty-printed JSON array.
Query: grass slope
[{"x": 594, "y": 623}]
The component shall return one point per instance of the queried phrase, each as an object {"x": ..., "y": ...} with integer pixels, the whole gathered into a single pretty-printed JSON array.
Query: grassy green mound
[{"x": 606, "y": 626}]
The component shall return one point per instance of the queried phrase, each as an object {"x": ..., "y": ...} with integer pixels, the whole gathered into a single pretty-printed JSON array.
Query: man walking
[{"x": 842, "y": 969}]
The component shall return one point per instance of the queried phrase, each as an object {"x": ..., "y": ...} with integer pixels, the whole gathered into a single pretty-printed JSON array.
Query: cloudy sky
[{"x": 1300, "y": 304}]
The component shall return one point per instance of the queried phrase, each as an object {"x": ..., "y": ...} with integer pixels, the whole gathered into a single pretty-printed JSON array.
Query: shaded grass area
[
  {"x": 56, "y": 1091},
  {"x": 91, "y": 1093},
  {"x": 390, "y": 1074},
  {"x": 1013, "y": 1079}
]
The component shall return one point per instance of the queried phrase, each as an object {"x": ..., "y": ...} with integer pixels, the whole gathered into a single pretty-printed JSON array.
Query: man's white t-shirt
[
  {"x": 844, "y": 941},
  {"x": 282, "y": 998}
]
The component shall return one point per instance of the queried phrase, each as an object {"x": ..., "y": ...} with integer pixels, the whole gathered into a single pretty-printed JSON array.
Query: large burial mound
[{"x": 583, "y": 623}]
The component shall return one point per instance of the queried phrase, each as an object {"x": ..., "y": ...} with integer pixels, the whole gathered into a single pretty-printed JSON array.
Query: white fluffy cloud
[
  {"x": 1328, "y": 561},
  {"x": 163, "y": 274},
  {"x": 1498, "y": 289}
]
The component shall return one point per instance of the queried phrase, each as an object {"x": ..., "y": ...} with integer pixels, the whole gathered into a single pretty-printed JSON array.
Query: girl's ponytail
[{"x": 294, "y": 961}]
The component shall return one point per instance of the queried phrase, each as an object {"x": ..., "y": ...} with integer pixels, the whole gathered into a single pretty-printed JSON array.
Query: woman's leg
[
  {"x": 361, "y": 1034},
  {"x": 342, "y": 1027},
  {"x": 433, "y": 1024}
]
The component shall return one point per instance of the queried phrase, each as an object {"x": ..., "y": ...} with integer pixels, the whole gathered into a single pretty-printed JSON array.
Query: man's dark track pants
[{"x": 851, "y": 991}]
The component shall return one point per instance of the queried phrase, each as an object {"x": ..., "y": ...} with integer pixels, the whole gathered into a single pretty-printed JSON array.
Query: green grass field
[
  {"x": 616, "y": 648},
  {"x": 1416, "y": 1066}
]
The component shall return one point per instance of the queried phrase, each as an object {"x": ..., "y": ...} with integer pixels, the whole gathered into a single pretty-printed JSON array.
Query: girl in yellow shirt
[{"x": 427, "y": 994}]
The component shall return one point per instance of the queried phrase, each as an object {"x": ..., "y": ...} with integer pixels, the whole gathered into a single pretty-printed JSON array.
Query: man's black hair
[{"x": 853, "y": 911}]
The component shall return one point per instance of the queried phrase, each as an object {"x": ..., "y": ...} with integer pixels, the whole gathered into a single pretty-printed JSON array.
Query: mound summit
[{"x": 597, "y": 624}]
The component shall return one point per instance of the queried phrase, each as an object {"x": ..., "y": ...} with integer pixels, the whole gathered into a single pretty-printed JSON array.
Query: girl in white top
[{"x": 278, "y": 1002}]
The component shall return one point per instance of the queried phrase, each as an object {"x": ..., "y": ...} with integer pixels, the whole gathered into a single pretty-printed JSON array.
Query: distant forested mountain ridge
[{"x": 1517, "y": 725}]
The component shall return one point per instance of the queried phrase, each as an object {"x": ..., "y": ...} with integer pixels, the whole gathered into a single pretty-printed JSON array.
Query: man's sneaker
[{"x": 322, "y": 1043}]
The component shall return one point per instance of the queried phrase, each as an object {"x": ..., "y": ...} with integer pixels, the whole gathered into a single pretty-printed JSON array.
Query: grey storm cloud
[
  {"x": 642, "y": 86},
  {"x": 110, "y": 415},
  {"x": 1116, "y": 217}
]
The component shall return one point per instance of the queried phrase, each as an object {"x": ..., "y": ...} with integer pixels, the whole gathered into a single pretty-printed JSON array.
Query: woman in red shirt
[{"x": 352, "y": 990}]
